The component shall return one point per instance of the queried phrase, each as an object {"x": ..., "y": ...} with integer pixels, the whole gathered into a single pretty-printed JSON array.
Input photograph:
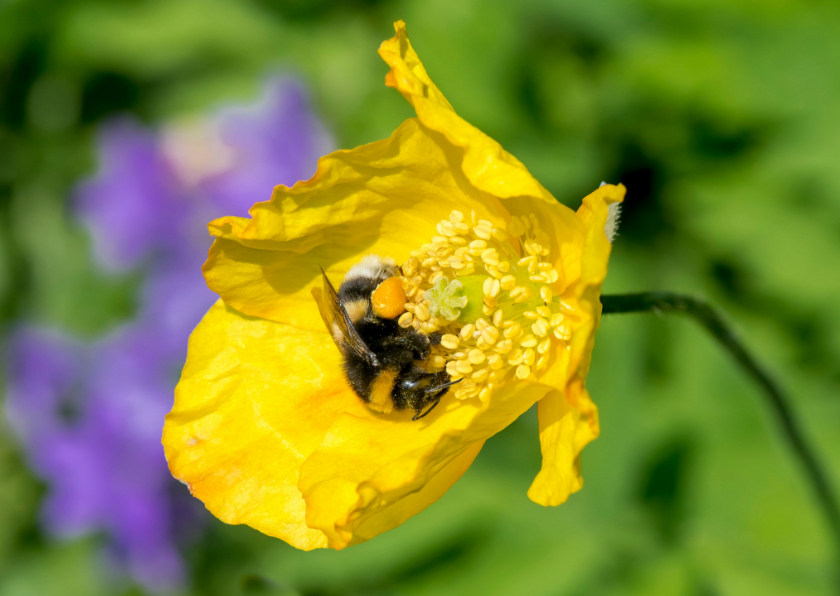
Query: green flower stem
[{"x": 703, "y": 313}]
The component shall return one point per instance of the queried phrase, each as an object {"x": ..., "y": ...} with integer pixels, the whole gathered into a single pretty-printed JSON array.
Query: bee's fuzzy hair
[{"x": 372, "y": 267}]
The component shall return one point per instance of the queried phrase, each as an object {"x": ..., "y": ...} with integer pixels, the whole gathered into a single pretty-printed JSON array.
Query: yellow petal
[
  {"x": 487, "y": 166},
  {"x": 569, "y": 419},
  {"x": 384, "y": 198},
  {"x": 361, "y": 480},
  {"x": 255, "y": 399}
]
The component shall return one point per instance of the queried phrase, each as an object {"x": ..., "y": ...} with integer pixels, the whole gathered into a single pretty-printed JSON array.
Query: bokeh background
[{"x": 125, "y": 126}]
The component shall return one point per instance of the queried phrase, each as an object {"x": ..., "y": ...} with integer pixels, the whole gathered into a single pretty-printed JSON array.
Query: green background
[{"x": 721, "y": 117}]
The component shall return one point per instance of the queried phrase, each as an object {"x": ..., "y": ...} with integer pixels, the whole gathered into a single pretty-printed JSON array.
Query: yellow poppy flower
[{"x": 266, "y": 430}]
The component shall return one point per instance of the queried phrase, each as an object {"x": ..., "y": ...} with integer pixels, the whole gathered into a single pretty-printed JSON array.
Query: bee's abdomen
[{"x": 354, "y": 295}]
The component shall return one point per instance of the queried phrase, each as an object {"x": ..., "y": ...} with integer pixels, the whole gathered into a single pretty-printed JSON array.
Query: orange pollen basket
[{"x": 388, "y": 300}]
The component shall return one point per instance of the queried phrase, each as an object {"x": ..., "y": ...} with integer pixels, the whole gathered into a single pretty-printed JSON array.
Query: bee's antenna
[
  {"x": 439, "y": 387},
  {"x": 428, "y": 390},
  {"x": 418, "y": 416}
]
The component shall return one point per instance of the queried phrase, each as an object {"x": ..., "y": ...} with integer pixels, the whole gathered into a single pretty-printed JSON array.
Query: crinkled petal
[
  {"x": 373, "y": 470},
  {"x": 383, "y": 198},
  {"x": 255, "y": 400},
  {"x": 488, "y": 167},
  {"x": 568, "y": 419}
]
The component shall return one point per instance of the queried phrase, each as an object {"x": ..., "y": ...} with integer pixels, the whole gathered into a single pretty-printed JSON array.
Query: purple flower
[
  {"x": 89, "y": 416},
  {"x": 134, "y": 204}
]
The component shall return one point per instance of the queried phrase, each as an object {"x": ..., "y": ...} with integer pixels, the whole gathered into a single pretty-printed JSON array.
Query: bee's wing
[{"x": 338, "y": 322}]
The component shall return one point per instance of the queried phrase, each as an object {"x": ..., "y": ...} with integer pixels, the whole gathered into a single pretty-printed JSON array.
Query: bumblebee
[{"x": 385, "y": 364}]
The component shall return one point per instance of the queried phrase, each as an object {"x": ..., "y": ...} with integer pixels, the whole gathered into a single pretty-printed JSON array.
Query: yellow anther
[
  {"x": 436, "y": 276},
  {"x": 428, "y": 328},
  {"x": 405, "y": 320},
  {"x": 491, "y": 287},
  {"x": 526, "y": 261},
  {"x": 484, "y": 394},
  {"x": 531, "y": 314},
  {"x": 563, "y": 332},
  {"x": 552, "y": 275},
  {"x": 467, "y": 331},
  {"x": 458, "y": 241},
  {"x": 542, "y": 362},
  {"x": 477, "y": 247},
  {"x": 533, "y": 248},
  {"x": 529, "y": 356},
  {"x": 409, "y": 268},
  {"x": 498, "y": 318},
  {"x": 452, "y": 369},
  {"x": 481, "y": 375},
  {"x": 504, "y": 346},
  {"x": 546, "y": 294},
  {"x": 490, "y": 335},
  {"x": 522, "y": 371},
  {"x": 482, "y": 232},
  {"x": 528, "y": 342},
  {"x": 515, "y": 227},
  {"x": 540, "y": 327},
  {"x": 544, "y": 312},
  {"x": 494, "y": 271},
  {"x": 481, "y": 324},
  {"x": 456, "y": 216},
  {"x": 438, "y": 362},
  {"x": 500, "y": 234},
  {"x": 556, "y": 319},
  {"x": 495, "y": 362},
  {"x": 445, "y": 228},
  {"x": 449, "y": 341},
  {"x": 476, "y": 356},
  {"x": 463, "y": 367},
  {"x": 490, "y": 256},
  {"x": 485, "y": 224},
  {"x": 456, "y": 262},
  {"x": 508, "y": 282},
  {"x": 544, "y": 345},
  {"x": 513, "y": 331},
  {"x": 515, "y": 357}
]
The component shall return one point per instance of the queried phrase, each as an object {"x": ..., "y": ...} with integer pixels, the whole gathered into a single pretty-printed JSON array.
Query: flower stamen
[{"x": 492, "y": 293}]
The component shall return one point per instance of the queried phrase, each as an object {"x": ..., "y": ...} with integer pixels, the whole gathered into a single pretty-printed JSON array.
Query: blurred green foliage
[{"x": 721, "y": 117}]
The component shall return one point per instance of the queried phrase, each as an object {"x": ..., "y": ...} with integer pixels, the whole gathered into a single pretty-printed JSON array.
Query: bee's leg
[
  {"x": 434, "y": 338},
  {"x": 418, "y": 415}
]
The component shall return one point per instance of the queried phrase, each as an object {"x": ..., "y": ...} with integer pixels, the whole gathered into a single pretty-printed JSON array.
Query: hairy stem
[{"x": 780, "y": 403}]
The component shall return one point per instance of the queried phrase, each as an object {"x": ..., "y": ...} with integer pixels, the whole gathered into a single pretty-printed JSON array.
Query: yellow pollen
[
  {"x": 518, "y": 314},
  {"x": 450, "y": 341},
  {"x": 476, "y": 356},
  {"x": 405, "y": 320}
]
